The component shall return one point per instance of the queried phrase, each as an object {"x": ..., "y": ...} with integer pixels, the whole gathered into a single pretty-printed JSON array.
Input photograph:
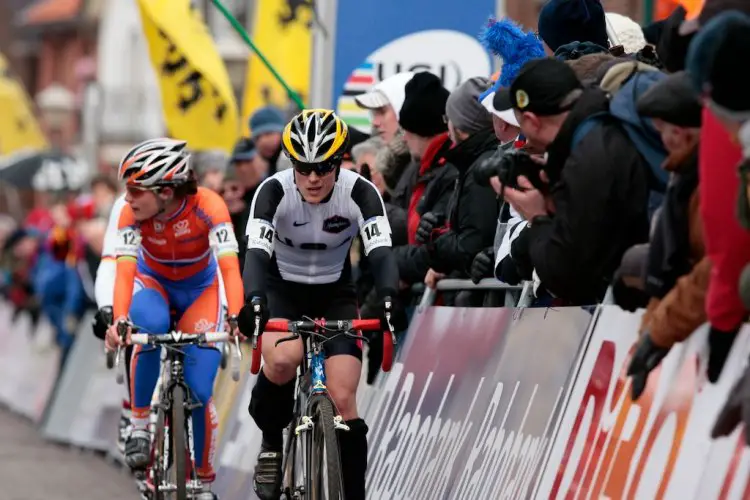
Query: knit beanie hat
[
  {"x": 464, "y": 109},
  {"x": 627, "y": 32},
  {"x": 565, "y": 21},
  {"x": 424, "y": 105}
]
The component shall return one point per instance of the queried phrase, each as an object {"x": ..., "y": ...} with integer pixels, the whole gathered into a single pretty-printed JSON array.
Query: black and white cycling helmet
[{"x": 156, "y": 162}]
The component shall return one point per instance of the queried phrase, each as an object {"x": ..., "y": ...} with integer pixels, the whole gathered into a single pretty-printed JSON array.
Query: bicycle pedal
[
  {"x": 338, "y": 423},
  {"x": 306, "y": 425}
]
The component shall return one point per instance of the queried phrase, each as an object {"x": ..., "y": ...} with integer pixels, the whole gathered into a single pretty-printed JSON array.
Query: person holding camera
[
  {"x": 585, "y": 205},
  {"x": 487, "y": 263}
]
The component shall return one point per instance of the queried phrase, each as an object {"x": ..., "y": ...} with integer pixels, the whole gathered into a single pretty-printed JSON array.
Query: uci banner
[
  {"x": 197, "y": 97},
  {"x": 282, "y": 32},
  {"x": 19, "y": 129},
  {"x": 376, "y": 39}
]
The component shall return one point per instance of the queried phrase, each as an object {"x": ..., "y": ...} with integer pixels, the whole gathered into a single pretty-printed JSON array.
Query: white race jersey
[{"x": 310, "y": 242}]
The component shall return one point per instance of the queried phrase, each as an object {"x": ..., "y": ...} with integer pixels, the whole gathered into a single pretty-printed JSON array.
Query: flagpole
[
  {"x": 648, "y": 11},
  {"x": 241, "y": 31}
]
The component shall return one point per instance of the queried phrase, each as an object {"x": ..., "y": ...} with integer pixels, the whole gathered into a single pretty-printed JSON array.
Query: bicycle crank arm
[
  {"x": 306, "y": 425},
  {"x": 338, "y": 423}
]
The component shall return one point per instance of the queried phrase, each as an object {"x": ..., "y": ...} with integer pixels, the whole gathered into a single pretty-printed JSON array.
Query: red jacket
[
  {"x": 727, "y": 243},
  {"x": 413, "y": 217}
]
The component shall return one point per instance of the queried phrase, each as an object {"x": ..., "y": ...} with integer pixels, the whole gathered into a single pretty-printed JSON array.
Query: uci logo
[{"x": 451, "y": 55}]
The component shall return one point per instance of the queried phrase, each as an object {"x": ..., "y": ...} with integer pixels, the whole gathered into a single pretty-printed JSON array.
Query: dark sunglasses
[{"x": 321, "y": 169}]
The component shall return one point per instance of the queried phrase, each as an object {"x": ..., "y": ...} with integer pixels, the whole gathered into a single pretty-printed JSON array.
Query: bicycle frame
[
  {"x": 173, "y": 376},
  {"x": 311, "y": 384},
  {"x": 174, "y": 368}
]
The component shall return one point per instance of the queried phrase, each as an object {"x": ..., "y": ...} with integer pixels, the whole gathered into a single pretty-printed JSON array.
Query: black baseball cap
[{"x": 540, "y": 88}]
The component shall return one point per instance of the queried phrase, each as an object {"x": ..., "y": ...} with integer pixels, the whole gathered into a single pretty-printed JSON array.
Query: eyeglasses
[
  {"x": 136, "y": 192},
  {"x": 321, "y": 169}
]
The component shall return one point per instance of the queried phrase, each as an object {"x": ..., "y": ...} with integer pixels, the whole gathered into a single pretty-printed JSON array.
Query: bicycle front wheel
[
  {"x": 178, "y": 441},
  {"x": 159, "y": 460},
  {"x": 323, "y": 470}
]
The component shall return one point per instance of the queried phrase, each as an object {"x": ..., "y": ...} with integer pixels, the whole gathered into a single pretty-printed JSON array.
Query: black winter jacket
[
  {"x": 473, "y": 216},
  {"x": 600, "y": 192}
]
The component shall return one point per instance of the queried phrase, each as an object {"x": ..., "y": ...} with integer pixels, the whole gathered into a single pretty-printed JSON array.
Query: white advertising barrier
[
  {"x": 608, "y": 446},
  {"x": 6, "y": 315},
  {"x": 12, "y": 355},
  {"x": 86, "y": 408},
  {"x": 29, "y": 363},
  {"x": 239, "y": 446},
  {"x": 36, "y": 381}
]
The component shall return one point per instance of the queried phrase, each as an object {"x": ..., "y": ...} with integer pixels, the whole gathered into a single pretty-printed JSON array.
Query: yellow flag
[
  {"x": 282, "y": 34},
  {"x": 18, "y": 126},
  {"x": 197, "y": 97}
]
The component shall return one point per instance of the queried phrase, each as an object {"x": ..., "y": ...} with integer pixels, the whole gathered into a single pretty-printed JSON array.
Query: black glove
[
  {"x": 646, "y": 357},
  {"x": 483, "y": 265},
  {"x": 736, "y": 409},
  {"x": 428, "y": 223},
  {"x": 399, "y": 321},
  {"x": 719, "y": 346},
  {"x": 102, "y": 321},
  {"x": 629, "y": 299},
  {"x": 256, "y": 307},
  {"x": 508, "y": 272}
]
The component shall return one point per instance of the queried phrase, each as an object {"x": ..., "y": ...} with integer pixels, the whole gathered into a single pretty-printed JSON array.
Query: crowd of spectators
[{"x": 603, "y": 157}]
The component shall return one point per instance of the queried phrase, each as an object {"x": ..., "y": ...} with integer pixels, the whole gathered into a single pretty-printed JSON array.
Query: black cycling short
[{"x": 292, "y": 301}]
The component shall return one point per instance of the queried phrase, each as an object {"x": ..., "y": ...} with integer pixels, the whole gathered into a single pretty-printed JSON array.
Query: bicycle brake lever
[
  {"x": 232, "y": 320},
  {"x": 390, "y": 326},
  {"x": 256, "y": 333}
]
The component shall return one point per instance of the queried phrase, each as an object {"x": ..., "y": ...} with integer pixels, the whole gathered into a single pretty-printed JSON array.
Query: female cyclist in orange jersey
[{"x": 173, "y": 240}]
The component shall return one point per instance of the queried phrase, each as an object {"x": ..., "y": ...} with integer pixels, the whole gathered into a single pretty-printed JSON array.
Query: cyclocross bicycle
[
  {"x": 311, "y": 464},
  {"x": 172, "y": 467}
]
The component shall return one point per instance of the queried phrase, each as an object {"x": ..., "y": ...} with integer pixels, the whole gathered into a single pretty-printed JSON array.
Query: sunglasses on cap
[{"x": 321, "y": 169}]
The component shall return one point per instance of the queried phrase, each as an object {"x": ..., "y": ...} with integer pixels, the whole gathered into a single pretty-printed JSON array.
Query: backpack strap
[{"x": 586, "y": 126}]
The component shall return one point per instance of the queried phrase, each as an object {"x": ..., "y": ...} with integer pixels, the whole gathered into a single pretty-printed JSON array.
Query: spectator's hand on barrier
[
  {"x": 529, "y": 202},
  {"x": 102, "y": 321},
  {"x": 719, "y": 346},
  {"x": 646, "y": 357},
  {"x": 432, "y": 277},
  {"x": 483, "y": 265},
  {"x": 736, "y": 409},
  {"x": 399, "y": 321},
  {"x": 427, "y": 224},
  {"x": 112, "y": 339},
  {"x": 256, "y": 307}
]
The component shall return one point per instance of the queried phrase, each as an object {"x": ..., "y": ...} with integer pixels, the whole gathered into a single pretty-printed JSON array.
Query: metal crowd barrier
[
  {"x": 515, "y": 295},
  {"x": 512, "y": 296}
]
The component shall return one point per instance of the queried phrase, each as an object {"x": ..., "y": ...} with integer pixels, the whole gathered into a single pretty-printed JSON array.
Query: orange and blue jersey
[{"x": 183, "y": 248}]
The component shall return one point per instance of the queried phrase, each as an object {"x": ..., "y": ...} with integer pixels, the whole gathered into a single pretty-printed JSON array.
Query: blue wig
[{"x": 506, "y": 39}]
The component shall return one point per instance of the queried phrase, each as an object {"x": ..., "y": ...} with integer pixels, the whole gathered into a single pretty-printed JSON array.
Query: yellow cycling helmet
[{"x": 315, "y": 136}]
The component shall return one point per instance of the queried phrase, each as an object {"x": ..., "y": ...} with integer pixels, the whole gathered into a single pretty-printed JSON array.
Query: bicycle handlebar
[
  {"x": 341, "y": 326},
  {"x": 174, "y": 339},
  {"x": 282, "y": 325},
  {"x": 177, "y": 338}
]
